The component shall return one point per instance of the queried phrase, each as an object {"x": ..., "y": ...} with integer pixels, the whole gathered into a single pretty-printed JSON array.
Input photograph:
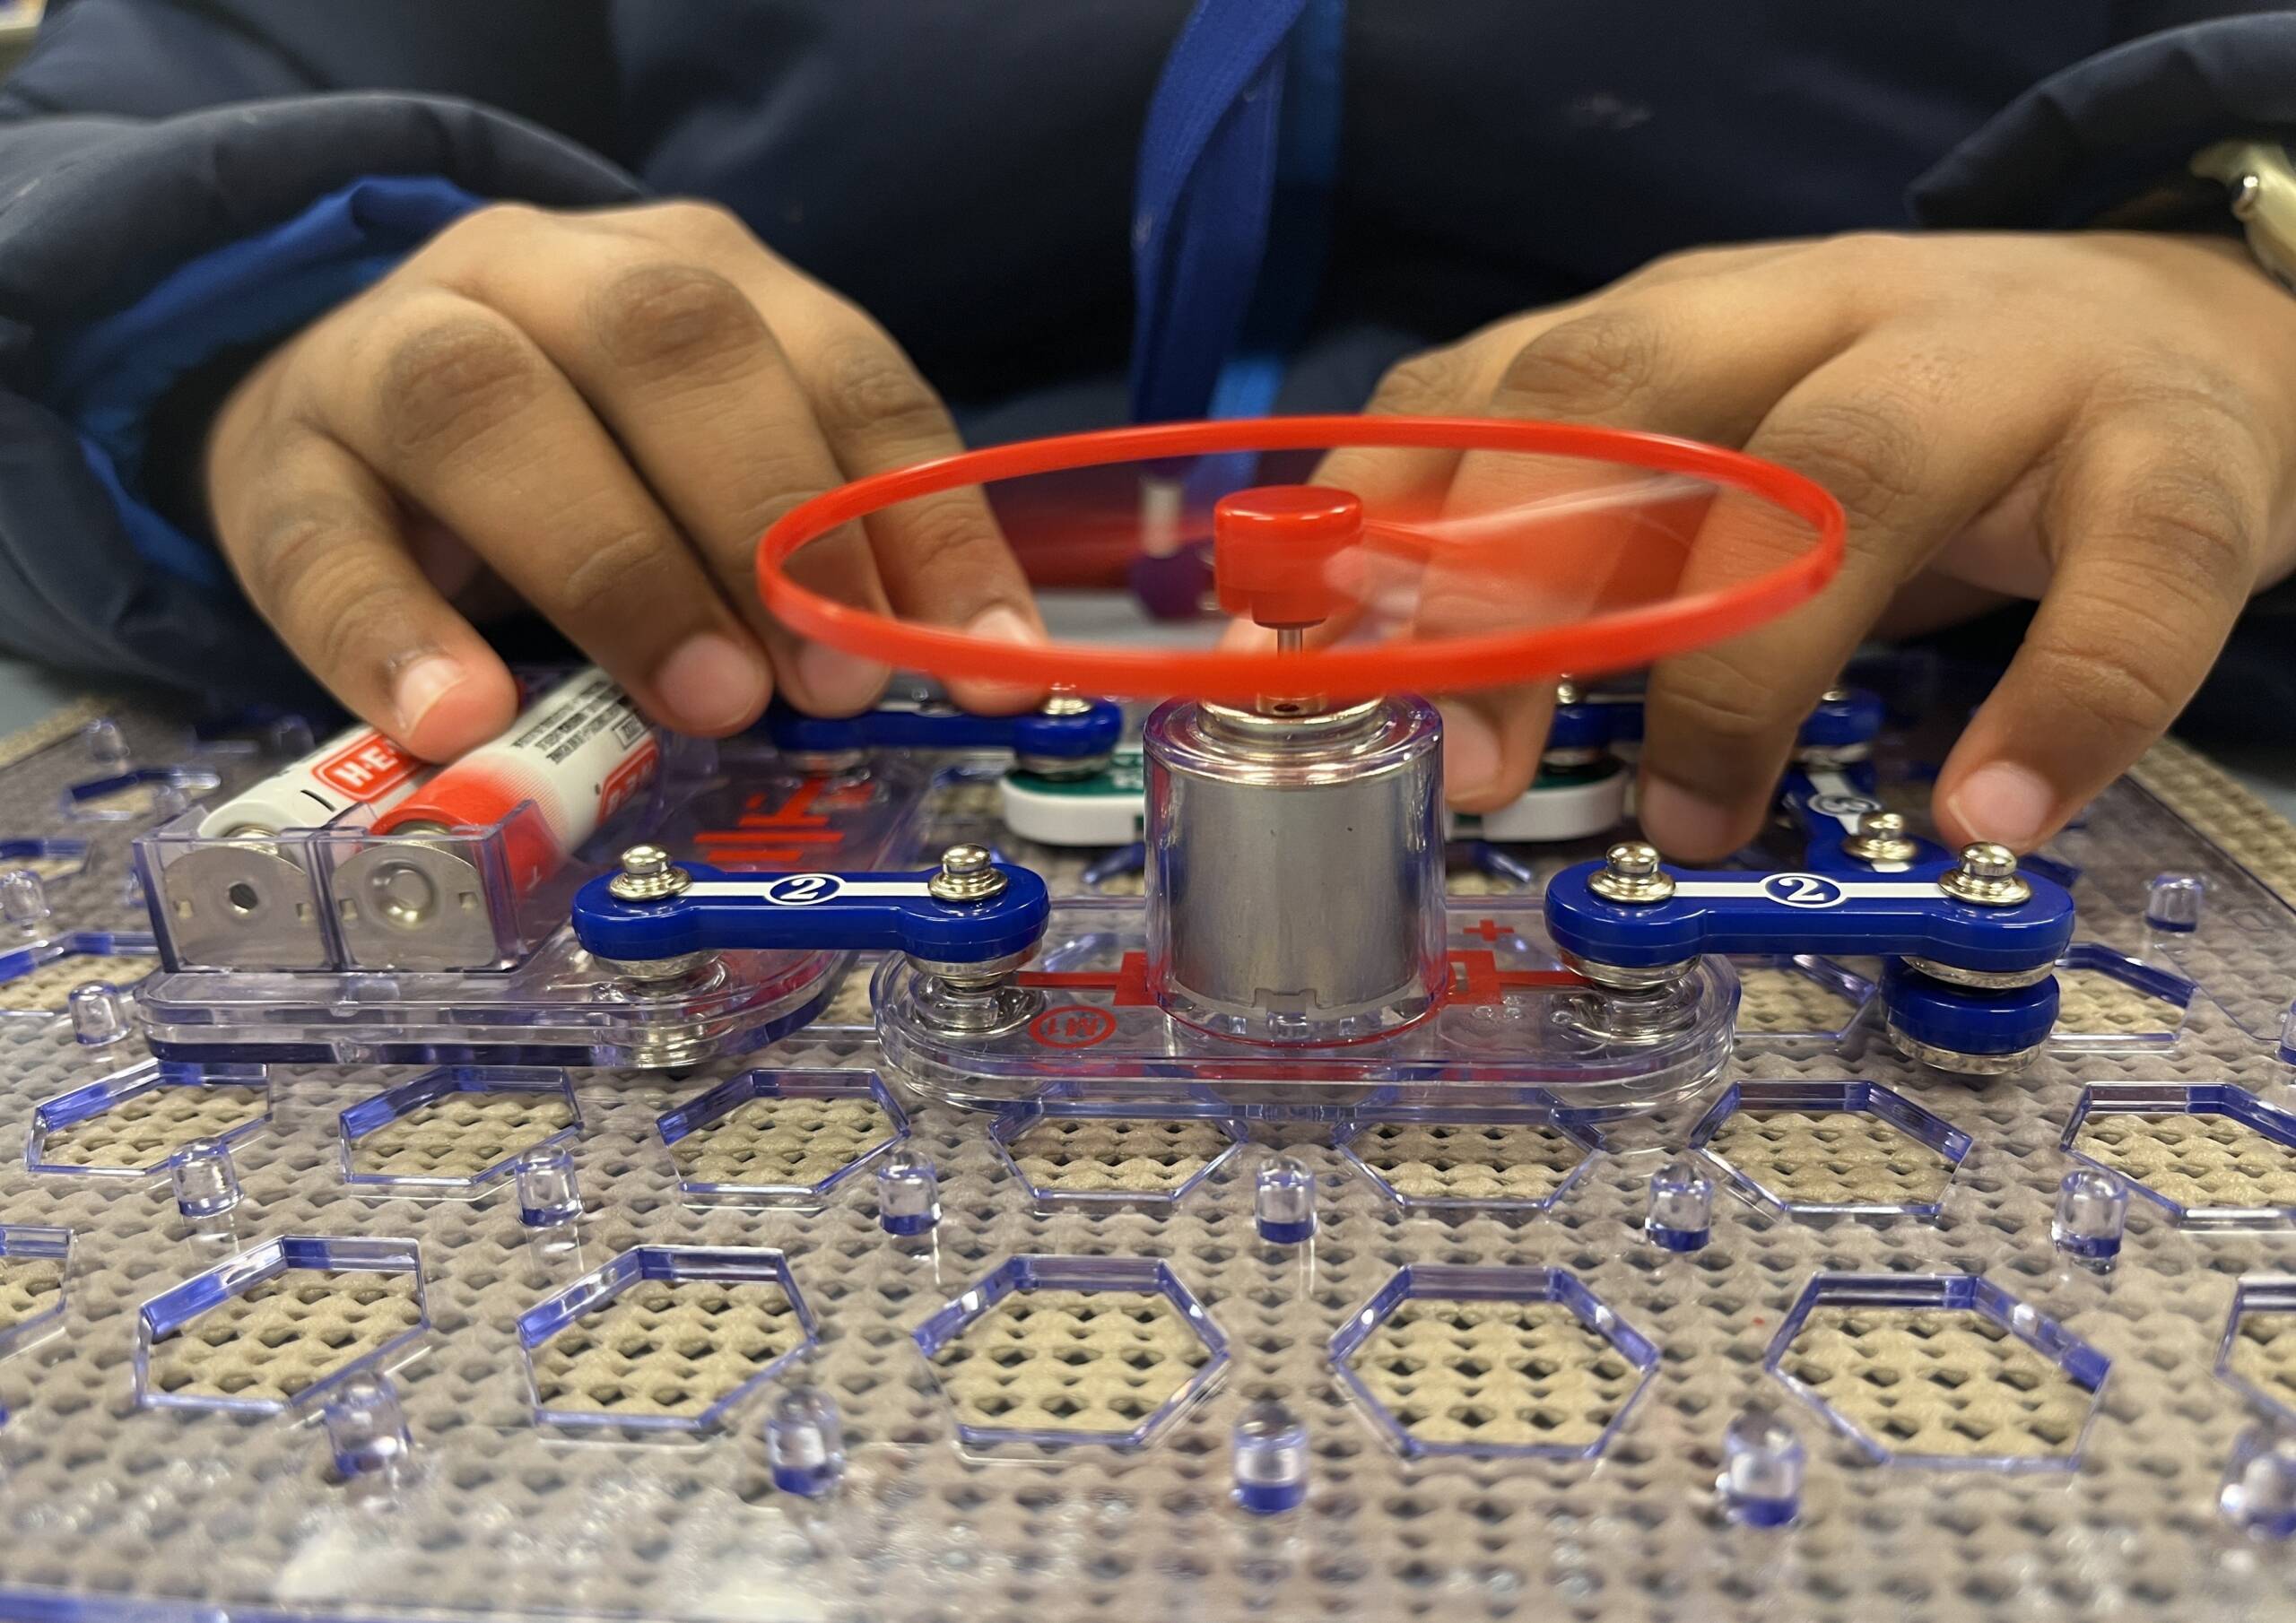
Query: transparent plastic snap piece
[
  {"x": 2091, "y": 1213},
  {"x": 1283, "y": 1201},
  {"x": 1271, "y": 1459},
  {"x": 909, "y": 1192},
  {"x": 205, "y": 1181},
  {"x": 804, "y": 1441},
  {"x": 99, "y": 1013},
  {"x": 2258, "y": 1492},
  {"x": 23, "y": 899},
  {"x": 367, "y": 1432},
  {"x": 1681, "y": 1206},
  {"x": 1762, "y": 1466},
  {"x": 549, "y": 1196},
  {"x": 2173, "y": 903}
]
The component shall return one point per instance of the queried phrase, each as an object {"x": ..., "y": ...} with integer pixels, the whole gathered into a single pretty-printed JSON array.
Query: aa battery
[
  {"x": 577, "y": 756},
  {"x": 235, "y": 896},
  {"x": 358, "y": 766}
]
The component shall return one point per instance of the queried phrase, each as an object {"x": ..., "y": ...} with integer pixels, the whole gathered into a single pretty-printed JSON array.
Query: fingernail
[
  {"x": 1471, "y": 761},
  {"x": 2004, "y": 802},
  {"x": 1002, "y": 623},
  {"x": 417, "y": 689},
  {"x": 710, "y": 683},
  {"x": 1682, "y": 822},
  {"x": 838, "y": 682}
]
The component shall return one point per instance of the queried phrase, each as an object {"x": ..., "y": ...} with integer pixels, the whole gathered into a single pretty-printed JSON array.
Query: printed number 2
[
  {"x": 800, "y": 889},
  {"x": 1802, "y": 890}
]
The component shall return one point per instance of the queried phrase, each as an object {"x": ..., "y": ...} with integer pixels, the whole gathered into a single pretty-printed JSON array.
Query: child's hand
[
  {"x": 604, "y": 411},
  {"x": 2105, "y": 422}
]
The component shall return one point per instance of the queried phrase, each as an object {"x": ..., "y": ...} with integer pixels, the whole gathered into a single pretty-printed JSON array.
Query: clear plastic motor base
[{"x": 1513, "y": 1027}]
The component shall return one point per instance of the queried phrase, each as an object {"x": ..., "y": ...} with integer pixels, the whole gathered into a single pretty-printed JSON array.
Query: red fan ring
[{"x": 1615, "y": 640}]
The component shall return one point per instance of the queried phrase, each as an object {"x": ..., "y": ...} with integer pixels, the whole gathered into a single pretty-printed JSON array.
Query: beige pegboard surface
[
  {"x": 792, "y": 1141},
  {"x": 1771, "y": 1001},
  {"x": 1070, "y": 1360},
  {"x": 1471, "y": 1160},
  {"x": 1831, "y": 1157},
  {"x": 2215, "y": 804},
  {"x": 28, "y": 1288},
  {"x": 47, "y": 987},
  {"x": 1507, "y": 1374},
  {"x": 461, "y": 1134},
  {"x": 666, "y": 1348},
  {"x": 147, "y": 1129},
  {"x": 275, "y": 1339},
  {"x": 1927, "y": 1381},
  {"x": 2264, "y": 1353},
  {"x": 1074, "y": 1155},
  {"x": 2195, "y": 1161},
  {"x": 2091, "y": 1002}
]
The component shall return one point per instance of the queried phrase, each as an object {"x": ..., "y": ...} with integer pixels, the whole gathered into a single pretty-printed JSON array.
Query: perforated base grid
[{"x": 109, "y": 1510}]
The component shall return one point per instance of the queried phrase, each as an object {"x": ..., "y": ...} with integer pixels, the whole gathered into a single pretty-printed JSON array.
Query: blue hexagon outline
[
  {"x": 705, "y": 1109},
  {"x": 1452, "y": 1281},
  {"x": 2185, "y": 1098},
  {"x": 1950, "y": 1293},
  {"x": 45, "y": 1243},
  {"x": 1848, "y": 1098},
  {"x": 1017, "y": 1119},
  {"x": 76, "y": 944},
  {"x": 370, "y": 1114},
  {"x": 2164, "y": 985},
  {"x": 729, "y": 1264},
  {"x": 93, "y": 1099},
  {"x": 2259, "y": 1294},
  {"x": 194, "y": 781},
  {"x": 179, "y": 1305},
  {"x": 1090, "y": 1275},
  {"x": 1578, "y": 1126}
]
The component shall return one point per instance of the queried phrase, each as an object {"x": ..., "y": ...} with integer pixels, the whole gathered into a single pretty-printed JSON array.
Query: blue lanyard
[{"x": 1232, "y": 214}]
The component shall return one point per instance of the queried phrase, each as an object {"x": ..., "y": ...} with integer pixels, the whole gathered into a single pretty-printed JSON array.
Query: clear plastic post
[
  {"x": 1271, "y": 1459},
  {"x": 23, "y": 899},
  {"x": 206, "y": 1181},
  {"x": 2092, "y": 1214},
  {"x": 2173, "y": 901},
  {"x": 804, "y": 1441},
  {"x": 1762, "y": 1466},
  {"x": 99, "y": 1013},
  {"x": 549, "y": 1196},
  {"x": 366, "y": 1426},
  {"x": 1283, "y": 1201},
  {"x": 2258, "y": 1495},
  {"x": 107, "y": 744},
  {"x": 909, "y": 1192},
  {"x": 1681, "y": 1206}
]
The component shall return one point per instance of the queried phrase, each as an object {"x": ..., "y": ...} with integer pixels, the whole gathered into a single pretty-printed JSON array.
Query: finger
[
  {"x": 467, "y": 417},
  {"x": 2156, "y": 528},
  {"x": 1703, "y": 358},
  {"x": 318, "y": 543},
  {"x": 941, "y": 559},
  {"x": 944, "y": 559},
  {"x": 1914, "y": 442}
]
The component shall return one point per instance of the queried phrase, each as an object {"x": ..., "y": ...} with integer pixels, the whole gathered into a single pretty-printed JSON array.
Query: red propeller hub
[{"x": 1272, "y": 547}]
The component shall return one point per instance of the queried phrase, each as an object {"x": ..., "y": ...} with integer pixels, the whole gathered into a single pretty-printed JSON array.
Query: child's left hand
[{"x": 2104, "y": 422}]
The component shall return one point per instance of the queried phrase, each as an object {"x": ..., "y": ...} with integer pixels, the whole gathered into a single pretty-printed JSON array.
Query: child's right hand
[{"x": 604, "y": 411}]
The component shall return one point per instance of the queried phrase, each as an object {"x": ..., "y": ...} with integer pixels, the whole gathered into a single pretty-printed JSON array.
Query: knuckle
[
  {"x": 1423, "y": 385},
  {"x": 1593, "y": 363},
  {"x": 700, "y": 222},
  {"x": 491, "y": 228},
  {"x": 1721, "y": 703},
  {"x": 682, "y": 318},
  {"x": 865, "y": 384},
  {"x": 612, "y": 577},
  {"x": 1869, "y": 453},
  {"x": 452, "y": 378},
  {"x": 2111, "y": 679},
  {"x": 941, "y": 535},
  {"x": 2201, "y": 534}
]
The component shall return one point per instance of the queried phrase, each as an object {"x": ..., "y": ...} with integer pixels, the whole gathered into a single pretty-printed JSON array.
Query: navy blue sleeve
[
  {"x": 181, "y": 178},
  {"x": 2122, "y": 125}
]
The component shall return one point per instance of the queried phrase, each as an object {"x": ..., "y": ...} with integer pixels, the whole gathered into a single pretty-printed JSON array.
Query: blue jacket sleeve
[{"x": 181, "y": 183}]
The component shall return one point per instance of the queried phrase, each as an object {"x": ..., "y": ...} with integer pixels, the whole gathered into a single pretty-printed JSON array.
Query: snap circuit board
[{"x": 496, "y": 1284}]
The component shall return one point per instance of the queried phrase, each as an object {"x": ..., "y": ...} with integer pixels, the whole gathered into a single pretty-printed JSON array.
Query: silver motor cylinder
[{"x": 1295, "y": 869}]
